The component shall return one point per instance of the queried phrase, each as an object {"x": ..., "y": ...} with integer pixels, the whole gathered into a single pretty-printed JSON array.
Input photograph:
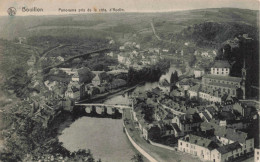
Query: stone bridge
[{"x": 102, "y": 108}]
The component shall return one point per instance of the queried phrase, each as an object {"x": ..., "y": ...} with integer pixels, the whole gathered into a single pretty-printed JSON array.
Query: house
[
  {"x": 226, "y": 153},
  {"x": 101, "y": 77},
  {"x": 187, "y": 122},
  {"x": 198, "y": 73},
  {"x": 50, "y": 85},
  {"x": 194, "y": 91},
  {"x": 60, "y": 58},
  {"x": 228, "y": 135},
  {"x": 220, "y": 67},
  {"x": 210, "y": 95},
  {"x": 197, "y": 146},
  {"x": 31, "y": 61},
  {"x": 31, "y": 72},
  {"x": 72, "y": 92},
  {"x": 68, "y": 71},
  {"x": 180, "y": 92},
  {"x": 121, "y": 59},
  {"x": 75, "y": 77},
  {"x": 176, "y": 129},
  {"x": 185, "y": 84},
  {"x": 111, "y": 54},
  {"x": 242, "y": 109},
  {"x": 164, "y": 85},
  {"x": 121, "y": 48},
  {"x": 168, "y": 130},
  {"x": 257, "y": 155},
  {"x": 205, "y": 54},
  {"x": 152, "y": 132},
  {"x": 211, "y": 111}
]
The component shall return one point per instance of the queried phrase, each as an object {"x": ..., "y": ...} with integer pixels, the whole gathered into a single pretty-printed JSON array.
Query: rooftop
[
  {"x": 201, "y": 141},
  {"x": 231, "y": 134},
  {"x": 221, "y": 64},
  {"x": 223, "y": 85},
  {"x": 228, "y": 148},
  {"x": 226, "y": 78},
  {"x": 195, "y": 88}
]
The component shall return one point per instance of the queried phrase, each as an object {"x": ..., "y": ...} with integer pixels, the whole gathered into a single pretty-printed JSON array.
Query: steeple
[
  {"x": 243, "y": 85},
  {"x": 243, "y": 70}
]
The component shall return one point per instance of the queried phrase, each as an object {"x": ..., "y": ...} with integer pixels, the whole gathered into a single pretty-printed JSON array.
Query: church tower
[{"x": 243, "y": 86}]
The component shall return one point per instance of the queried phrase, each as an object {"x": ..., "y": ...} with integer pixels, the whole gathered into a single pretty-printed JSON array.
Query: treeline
[
  {"x": 212, "y": 34},
  {"x": 148, "y": 74},
  {"x": 69, "y": 21},
  {"x": 67, "y": 36}
]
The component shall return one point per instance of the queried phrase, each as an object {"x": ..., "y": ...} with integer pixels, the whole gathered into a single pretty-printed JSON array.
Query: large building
[
  {"x": 220, "y": 67},
  {"x": 218, "y": 85},
  {"x": 197, "y": 146},
  {"x": 209, "y": 150}
]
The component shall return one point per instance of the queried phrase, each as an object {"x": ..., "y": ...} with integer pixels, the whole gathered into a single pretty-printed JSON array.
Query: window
[
  {"x": 187, "y": 145},
  {"x": 257, "y": 152},
  {"x": 181, "y": 143}
]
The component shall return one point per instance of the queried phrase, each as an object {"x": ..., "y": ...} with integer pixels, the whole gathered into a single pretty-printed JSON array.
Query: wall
[
  {"x": 194, "y": 150},
  {"x": 162, "y": 146},
  {"x": 138, "y": 148}
]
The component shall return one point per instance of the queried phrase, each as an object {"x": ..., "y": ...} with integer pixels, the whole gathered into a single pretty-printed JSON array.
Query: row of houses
[{"x": 210, "y": 150}]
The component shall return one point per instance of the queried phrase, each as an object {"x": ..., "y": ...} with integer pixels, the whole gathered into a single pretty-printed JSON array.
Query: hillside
[{"x": 166, "y": 23}]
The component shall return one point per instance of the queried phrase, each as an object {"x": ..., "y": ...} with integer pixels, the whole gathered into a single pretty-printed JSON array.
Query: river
[{"x": 104, "y": 136}]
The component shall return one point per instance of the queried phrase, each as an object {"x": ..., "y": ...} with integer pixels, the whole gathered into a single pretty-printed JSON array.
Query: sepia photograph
[{"x": 129, "y": 81}]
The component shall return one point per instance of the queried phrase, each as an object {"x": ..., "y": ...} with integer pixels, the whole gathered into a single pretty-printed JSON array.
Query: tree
[
  {"x": 174, "y": 78},
  {"x": 137, "y": 158}
]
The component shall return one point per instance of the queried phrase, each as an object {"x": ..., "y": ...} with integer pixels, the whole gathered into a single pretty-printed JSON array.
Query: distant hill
[
  {"x": 213, "y": 34},
  {"x": 166, "y": 23}
]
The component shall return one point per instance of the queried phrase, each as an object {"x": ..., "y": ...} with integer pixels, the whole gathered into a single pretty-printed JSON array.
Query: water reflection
[{"x": 105, "y": 138}]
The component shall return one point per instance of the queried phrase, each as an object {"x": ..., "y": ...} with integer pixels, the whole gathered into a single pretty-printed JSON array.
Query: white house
[
  {"x": 198, "y": 73},
  {"x": 220, "y": 67},
  {"x": 226, "y": 153},
  {"x": 197, "y": 146}
]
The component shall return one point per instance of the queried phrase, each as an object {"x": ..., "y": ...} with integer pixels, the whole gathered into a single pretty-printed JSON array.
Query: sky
[{"x": 51, "y": 7}]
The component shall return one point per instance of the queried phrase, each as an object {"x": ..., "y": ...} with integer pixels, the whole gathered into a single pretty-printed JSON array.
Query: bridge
[{"x": 102, "y": 108}]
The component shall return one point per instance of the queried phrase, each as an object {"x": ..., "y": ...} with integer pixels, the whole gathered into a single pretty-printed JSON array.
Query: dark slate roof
[
  {"x": 190, "y": 118},
  {"x": 223, "y": 85},
  {"x": 226, "y": 78},
  {"x": 206, "y": 115},
  {"x": 221, "y": 64},
  {"x": 231, "y": 134},
  {"x": 201, "y": 141},
  {"x": 195, "y": 88},
  {"x": 228, "y": 148},
  {"x": 211, "y": 110},
  {"x": 168, "y": 127},
  {"x": 175, "y": 126}
]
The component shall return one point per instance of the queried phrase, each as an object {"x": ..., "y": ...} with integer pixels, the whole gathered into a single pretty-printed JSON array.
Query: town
[{"x": 178, "y": 98}]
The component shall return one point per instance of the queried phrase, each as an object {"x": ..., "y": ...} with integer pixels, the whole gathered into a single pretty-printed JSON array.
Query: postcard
[{"x": 129, "y": 81}]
